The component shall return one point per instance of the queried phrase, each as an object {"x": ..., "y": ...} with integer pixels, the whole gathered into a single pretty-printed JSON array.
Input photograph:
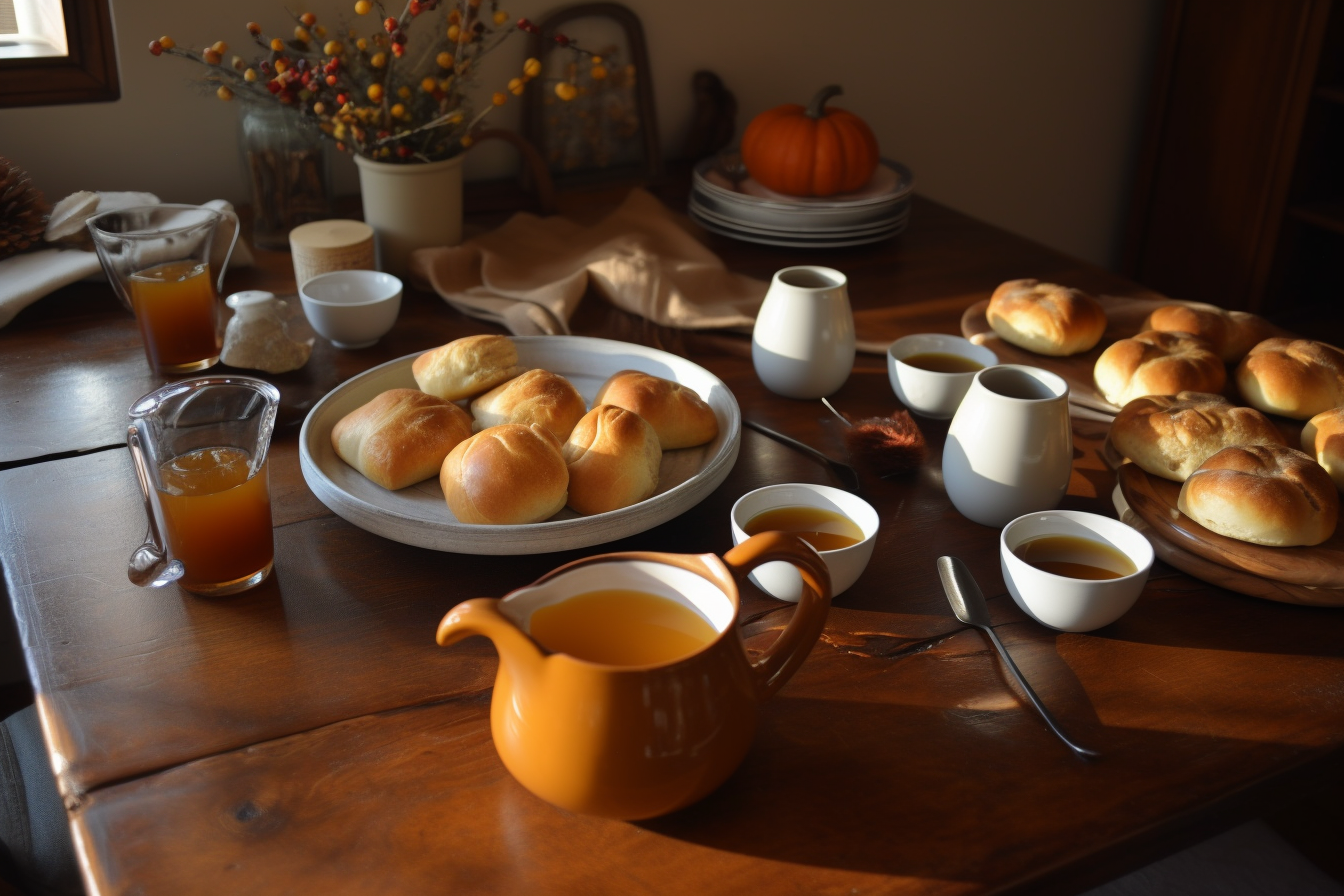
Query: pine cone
[{"x": 23, "y": 211}]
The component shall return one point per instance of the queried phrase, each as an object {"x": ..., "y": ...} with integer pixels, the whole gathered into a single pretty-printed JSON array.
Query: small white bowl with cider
[
  {"x": 1073, "y": 571},
  {"x": 841, "y": 526},
  {"x": 931, "y": 372}
]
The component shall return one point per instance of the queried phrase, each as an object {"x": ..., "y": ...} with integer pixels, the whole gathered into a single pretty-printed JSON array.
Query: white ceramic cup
[
  {"x": 353, "y": 309},
  {"x": 932, "y": 393},
  {"x": 781, "y": 580},
  {"x": 802, "y": 344},
  {"x": 1068, "y": 604},
  {"x": 1009, "y": 450}
]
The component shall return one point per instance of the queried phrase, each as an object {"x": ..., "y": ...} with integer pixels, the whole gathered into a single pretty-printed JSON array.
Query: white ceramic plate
[
  {"x": 890, "y": 180},
  {"x": 799, "y": 241},
  {"x": 790, "y": 229},
  {"x": 418, "y": 515}
]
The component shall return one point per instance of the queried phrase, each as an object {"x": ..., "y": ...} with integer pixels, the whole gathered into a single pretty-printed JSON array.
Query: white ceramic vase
[
  {"x": 1009, "y": 449},
  {"x": 803, "y": 342},
  {"x": 411, "y": 206}
]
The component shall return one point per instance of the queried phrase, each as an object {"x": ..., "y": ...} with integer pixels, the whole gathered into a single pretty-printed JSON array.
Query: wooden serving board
[
  {"x": 1222, "y": 576},
  {"x": 1124, "y": 318},
  {"x": 1154, "y": 501}
]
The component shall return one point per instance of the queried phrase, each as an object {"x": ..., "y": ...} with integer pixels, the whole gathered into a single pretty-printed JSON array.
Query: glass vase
[{"x": 288, "y": 172}]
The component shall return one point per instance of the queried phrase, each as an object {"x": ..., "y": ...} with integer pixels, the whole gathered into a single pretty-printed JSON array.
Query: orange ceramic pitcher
[{"x": 636, "y": 741}]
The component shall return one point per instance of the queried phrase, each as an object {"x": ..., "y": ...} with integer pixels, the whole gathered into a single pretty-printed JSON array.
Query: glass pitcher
[
  {"x": 199, "y": 449},
  {"x": 157, "y": 258}
]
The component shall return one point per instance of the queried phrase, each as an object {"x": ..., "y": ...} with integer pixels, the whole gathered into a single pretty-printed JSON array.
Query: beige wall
[{"x": 1024, "y": 113}]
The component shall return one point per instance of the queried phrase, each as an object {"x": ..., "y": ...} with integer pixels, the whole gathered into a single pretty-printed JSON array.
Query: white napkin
[{"x": 28, "y": 276}]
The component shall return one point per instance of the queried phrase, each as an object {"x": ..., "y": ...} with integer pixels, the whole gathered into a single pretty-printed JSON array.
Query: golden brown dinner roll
[
  {"x": 1296, "y": 378},
  {"x": 466, "y": 367},
  {"x": 613, "y": 458},
  {"x": 506, "y": 475},
  {"x": 537, "y": 396},
  {"x": 1323, "y": 439},
  {"x": 400, "y": 437},
  {"x": 1265, "y": 494},
  {"x": 1046, "y": 318},
  {"x": 680, "y": 417},
  {"x": 1169, "y": 436},
  {"x": 1230, "y": 334},
  {"x": 1157, "y": 363}
]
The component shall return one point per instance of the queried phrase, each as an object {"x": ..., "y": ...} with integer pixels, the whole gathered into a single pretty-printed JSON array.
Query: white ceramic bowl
[
  {"x": 1068, "y": 604},
  {"x": 781, "y": 580},
  {"x": 353, "y": 309},
  {"x": 931, "y": 393}
]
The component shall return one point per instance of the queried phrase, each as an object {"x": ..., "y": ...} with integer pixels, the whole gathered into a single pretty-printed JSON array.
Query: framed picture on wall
[{"x": 592, "y": 115}]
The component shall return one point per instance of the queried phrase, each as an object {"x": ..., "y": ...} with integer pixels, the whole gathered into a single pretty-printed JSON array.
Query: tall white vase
[
  {"x": 803, "y": 342},
  {"x": 411, "y": 206}
]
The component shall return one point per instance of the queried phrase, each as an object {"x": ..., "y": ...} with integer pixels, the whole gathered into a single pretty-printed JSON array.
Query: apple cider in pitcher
[
  {"x": 175, "y": 308},
  {"x": 217, "y": 519}
]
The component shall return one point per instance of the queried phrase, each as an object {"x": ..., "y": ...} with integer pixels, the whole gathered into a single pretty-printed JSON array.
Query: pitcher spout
[{"x": 481, "y": 616}]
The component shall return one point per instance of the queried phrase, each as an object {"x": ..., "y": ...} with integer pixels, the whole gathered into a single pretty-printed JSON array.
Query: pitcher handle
[
  {"x": 782, "y": 659},
  {"x": 237, "y": 229}
]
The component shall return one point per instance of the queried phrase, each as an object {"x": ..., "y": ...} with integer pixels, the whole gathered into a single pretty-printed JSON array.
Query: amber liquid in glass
[
  {"x": 217, "y": 519},
  {"x": 174, "y": 305},
  {"x": 621, "y": 627},
  {"x": 824, "y": 529},
  {"x": 1075, "y": 557},
  {"x": 942, "y": 362}
]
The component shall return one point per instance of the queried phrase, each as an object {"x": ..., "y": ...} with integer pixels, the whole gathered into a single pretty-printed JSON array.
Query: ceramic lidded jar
[{"x": 803, "y": 342}]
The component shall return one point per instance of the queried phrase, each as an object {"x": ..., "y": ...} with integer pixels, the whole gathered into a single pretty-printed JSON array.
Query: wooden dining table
[{"x": 309, "y": 736}]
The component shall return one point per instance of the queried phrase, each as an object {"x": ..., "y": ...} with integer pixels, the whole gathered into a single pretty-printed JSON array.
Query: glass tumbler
[
  {"x": 157, "y": 258},
  {"x": 199, "y": 448}
]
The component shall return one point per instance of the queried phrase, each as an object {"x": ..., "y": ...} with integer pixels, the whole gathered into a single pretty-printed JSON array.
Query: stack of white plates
[{"x": 748, "y": 211}]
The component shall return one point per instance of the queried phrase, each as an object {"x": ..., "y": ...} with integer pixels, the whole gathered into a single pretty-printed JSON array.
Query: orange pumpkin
[{"x": 812, "y": 151}]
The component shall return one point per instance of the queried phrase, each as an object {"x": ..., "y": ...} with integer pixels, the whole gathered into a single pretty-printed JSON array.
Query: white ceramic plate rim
[
  {"x": 905, "y": 182},
  {"x": 799, "y": 242},
  {"x": 800, "y": 228},
  {"x": 418, "y": 515},
  {"x": 769, "y": 216}
]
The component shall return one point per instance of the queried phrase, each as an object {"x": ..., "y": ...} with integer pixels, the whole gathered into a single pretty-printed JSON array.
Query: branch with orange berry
[{"x": 371, "y": 95}]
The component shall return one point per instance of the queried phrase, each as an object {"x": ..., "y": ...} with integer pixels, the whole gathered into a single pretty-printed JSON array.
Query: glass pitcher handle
[
  {"x": 237, "y": 228},
  {"x": 149, "y": 564}
]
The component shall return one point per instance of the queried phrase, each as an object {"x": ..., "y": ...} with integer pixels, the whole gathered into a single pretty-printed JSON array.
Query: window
[{"x": 36, "y": 70}]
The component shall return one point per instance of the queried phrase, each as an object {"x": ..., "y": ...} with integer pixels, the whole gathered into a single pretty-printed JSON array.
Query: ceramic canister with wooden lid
[{"x": 332, "y": 245}]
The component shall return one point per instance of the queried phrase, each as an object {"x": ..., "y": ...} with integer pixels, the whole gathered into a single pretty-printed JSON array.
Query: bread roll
[
  {"x": 400, "y": 437},
  {"x": 1264, "y": 494},
  {"x": 1296, "y": 378},
  {"x": 1323, "y": 439},
  {"x": 1170, "y": 436},
  {"x": 537, "y": 396},
  {"x": 506, "y": 475},
  {"x": 1230, "y": 334},
  {"x": 1046, "y": 318},
  {"x": 680, "y": 417},
  {"x": 613, "y": 458},
  {"x": 1157, "y": 363},
  {"x": 466, "y": 367}
]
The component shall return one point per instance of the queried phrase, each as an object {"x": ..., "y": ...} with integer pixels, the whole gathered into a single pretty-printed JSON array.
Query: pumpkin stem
[{"x": 817, "y": 108}]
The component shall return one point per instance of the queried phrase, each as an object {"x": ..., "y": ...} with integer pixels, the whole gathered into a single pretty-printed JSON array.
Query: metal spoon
[
  {"x": 968, "y": 602},
  {"x": 149, "y": 564}
]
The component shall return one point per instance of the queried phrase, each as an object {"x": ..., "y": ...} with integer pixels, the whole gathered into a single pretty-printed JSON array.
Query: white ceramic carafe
[
  {"x": 1009, "y": 448},
  {"x": 803, "y": 343}
]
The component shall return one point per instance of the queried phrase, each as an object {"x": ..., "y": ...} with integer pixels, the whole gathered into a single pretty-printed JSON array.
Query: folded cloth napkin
[
  {"x": 530, "y": 274},
  {"x": 28, "y": 276}
]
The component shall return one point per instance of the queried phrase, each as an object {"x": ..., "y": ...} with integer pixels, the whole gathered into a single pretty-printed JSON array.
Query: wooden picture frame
[{"x": 609, "y": 131}]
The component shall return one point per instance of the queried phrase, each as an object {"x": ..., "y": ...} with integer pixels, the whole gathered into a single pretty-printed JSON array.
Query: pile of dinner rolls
[
  {"x": 1239, "y": 476},
  {"x": 526, "y": 445}
]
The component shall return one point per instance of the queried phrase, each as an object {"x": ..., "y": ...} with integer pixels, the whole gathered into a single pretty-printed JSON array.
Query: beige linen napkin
[{"x": 530, "y": 274}]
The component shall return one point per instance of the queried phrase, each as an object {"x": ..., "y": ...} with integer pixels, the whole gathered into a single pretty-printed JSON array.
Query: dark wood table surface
[{"x": 308, "y": 736}]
